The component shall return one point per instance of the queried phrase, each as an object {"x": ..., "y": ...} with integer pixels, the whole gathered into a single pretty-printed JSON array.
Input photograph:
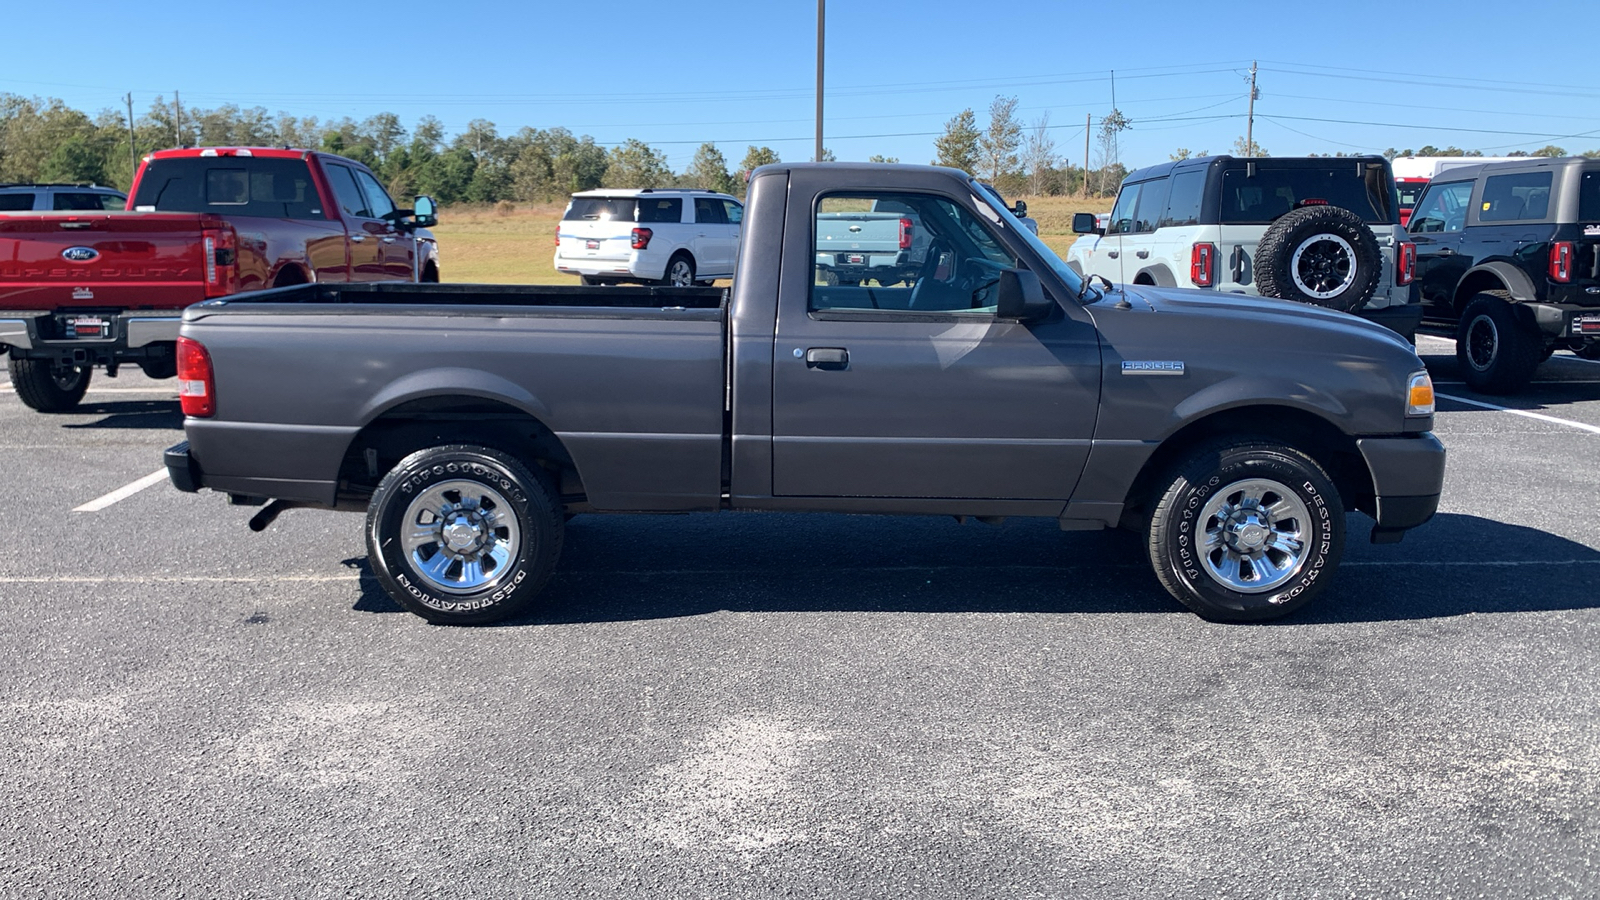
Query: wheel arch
[
  {"x": 291, "y": 272},
  {"x": 1156, "y": 276},
  {"x": 1299, "y": 428},
  {"x": 419, "y": 422},
  {"x": 1494, "y": 276}
]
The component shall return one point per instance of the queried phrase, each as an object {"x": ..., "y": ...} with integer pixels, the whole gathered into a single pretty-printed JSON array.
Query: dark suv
[
  {"x": 57, "y": 197},
  {"x": 1507, "y": 264}
]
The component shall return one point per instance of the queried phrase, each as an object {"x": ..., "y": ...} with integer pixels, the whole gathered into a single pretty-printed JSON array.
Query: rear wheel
[
  {"x": 1498, "y": 346},
  {"x": 1246, "y": 530},
  {"x": 463, "y": 534},
  {"x": 680, "y": 271},
  {"x": 47, "y": 386}
]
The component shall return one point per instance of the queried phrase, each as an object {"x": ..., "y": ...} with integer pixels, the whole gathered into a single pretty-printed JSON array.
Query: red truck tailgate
[{"x": 113, "y": 259}]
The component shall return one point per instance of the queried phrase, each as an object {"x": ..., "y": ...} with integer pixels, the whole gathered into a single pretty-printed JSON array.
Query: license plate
[
  {"x": 1586, "y": 324},
  {"x": 591, "y": 245},
  {"x": 87, "y": 327},
  {"x": 854, "y": 259}
]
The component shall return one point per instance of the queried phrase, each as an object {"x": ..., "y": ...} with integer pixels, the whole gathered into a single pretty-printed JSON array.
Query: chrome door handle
[
  {"x": 827, "y": 358},
  {"x": 357, "y": 238},
  {"x": 389, "y": 240}
]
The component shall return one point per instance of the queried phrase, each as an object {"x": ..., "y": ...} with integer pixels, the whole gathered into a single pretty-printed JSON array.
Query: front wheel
[
  {"x": 463, "y": 534},
  {"x": 1246, "y": 530},
  {"x": 47, "y": 386}
]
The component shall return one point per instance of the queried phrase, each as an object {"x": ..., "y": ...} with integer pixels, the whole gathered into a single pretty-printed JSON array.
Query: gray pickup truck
[{"x": 469, "y": 421}]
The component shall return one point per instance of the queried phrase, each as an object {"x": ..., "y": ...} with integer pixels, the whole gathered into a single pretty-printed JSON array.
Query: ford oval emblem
[{"x": 80, "y": 254}]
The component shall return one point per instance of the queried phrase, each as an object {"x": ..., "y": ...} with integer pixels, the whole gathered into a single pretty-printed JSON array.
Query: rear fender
[{"x": 453, "y": 382}]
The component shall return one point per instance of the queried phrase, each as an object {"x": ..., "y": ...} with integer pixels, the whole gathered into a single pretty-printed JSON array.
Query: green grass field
[{"x": 486, "y": 245}]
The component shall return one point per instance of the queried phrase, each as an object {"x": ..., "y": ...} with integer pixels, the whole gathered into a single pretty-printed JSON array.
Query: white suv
[
  {"x": 1324, "y": 231},
  {"x": 671, "y": 236}
]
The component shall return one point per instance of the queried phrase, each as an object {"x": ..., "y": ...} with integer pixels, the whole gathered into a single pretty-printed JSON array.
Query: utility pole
[
  {"x": 1116, "y": 150},
  {"x": 1250, "y": 120},
  {"x": 1086, "y": 134},
  {"x": 133, "y": 149},
  {"x": 820, "y": 31},
  {"x": 177, "y": 119}
]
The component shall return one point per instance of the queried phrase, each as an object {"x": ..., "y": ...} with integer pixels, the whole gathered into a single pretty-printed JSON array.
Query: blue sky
[{"x": 1352, "y": 76}]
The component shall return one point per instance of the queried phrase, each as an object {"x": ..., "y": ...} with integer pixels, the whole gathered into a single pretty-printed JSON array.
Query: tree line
[{"x": 46, "y": 140}]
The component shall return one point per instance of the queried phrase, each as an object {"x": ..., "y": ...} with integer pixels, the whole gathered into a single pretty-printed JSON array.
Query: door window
[
  {"x": 872, "y": 261},
  {"x": 85, "y": 200},
  {"x": 1122, "y": 213},
  {"x": 16, "y": 202},
  {"x": 344, "y": 187},
  {"x": 377, "y": 198},
  {"x": 733, "y": 211},
  {"x": 1152, "y": 202},
  {"x": 1442, "y": 208},
  {"x": 660, "y": 209},
  {"x": 708, "y": 211},
  {"x": 1183, "y": 204}
]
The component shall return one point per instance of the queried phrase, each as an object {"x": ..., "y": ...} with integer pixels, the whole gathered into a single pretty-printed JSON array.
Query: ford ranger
[
  {"x": 468, "y": 421},
  {"x": 84, "y": 289}
]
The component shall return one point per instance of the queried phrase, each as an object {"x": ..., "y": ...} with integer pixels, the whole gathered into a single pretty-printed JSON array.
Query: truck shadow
[
  {"x": 142, "y": 414},
  {"x": 627, "y": 568}
]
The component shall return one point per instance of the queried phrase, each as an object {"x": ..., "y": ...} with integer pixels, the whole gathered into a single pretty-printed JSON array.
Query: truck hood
[{"x": 1212, "y": 304}]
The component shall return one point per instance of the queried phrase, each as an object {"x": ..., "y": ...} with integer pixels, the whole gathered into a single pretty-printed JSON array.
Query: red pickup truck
[{"x": 80, "y": 290}]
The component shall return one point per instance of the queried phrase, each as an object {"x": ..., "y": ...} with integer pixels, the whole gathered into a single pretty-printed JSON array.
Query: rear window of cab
[{"x": 233, "y": 185}]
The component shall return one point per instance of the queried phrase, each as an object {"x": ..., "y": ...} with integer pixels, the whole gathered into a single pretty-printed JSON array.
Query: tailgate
[
  {"x": 596, "y": 240},
  {"x": 115, "y": 259}
]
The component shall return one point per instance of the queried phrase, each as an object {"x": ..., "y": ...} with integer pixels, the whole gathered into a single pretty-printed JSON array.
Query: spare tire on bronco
[{"x": 1322, "y": 255}]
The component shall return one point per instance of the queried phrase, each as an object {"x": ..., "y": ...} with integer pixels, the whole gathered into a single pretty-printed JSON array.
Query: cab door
[
  {"x": 397, "y": 247},
  {"x": 919, "y": 390},
  {"x": 713, "y": 252},
  {"x": 364, "y": 232},
  {"x": 1437, "y": 226}
]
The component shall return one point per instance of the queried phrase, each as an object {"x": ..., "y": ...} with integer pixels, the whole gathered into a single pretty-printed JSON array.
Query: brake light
[
  {"x": 1312, "y": 201},
  {"x": 197, "y": 385},
  {"x": 1561, "y": 262},
  {"x": 222, "y": 269},
  {"x": 558, "y": 236},
  {"x": 1202, "y": 264},
  {"x": 905, "y": 233},
  {"x": 641, "y": 238},
  {"x": 1405, "y": 262}
]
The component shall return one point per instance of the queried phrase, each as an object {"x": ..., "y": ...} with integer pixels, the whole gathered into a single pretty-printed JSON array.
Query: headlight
[{"x": 1419, "y": 395}]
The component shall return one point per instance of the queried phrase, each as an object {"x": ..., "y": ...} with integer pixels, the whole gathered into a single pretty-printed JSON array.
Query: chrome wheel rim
[
  {"x": 460, "y": 536},
  {"x": 1324, "y": 265},
  {"x": 1483, "y": 342},
  {"x": 1255, "y": 534},
  {"x": 680, "y": 275}
]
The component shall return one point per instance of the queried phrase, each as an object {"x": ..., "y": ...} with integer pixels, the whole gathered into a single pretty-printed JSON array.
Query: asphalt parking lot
[{"x": 770, "y": 705}]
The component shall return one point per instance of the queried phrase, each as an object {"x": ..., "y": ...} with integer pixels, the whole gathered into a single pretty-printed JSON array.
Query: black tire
[
  {"x": 1498, "y": 345},
  {"x": 591, "y": 280},
  {"x": 1281, "y": 547},
  {"x": 679, "y": 272},
  {"x": 490, "y": 501},
  {"x": 47, "y": 387},
  {"x": 830, "y": 277},
  {"x": 1590, "y": 350},
  {"x": 1321, "y": 255},
  {"x": 430, "y": 275}
]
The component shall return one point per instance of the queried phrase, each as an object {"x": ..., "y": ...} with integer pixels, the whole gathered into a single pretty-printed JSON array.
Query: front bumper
[{"x": 1407, "y": 478}]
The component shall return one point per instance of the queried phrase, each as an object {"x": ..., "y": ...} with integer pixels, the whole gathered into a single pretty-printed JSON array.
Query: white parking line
[
  {"x": 1525, "y": 413},
  {"x": 122, "y": 493}
]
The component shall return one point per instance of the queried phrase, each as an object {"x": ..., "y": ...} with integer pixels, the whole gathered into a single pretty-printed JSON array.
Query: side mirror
[
  {"x": 1021, "y": 296},
  {"x": 425, "y": 211},
  {"x": 1084, "y": 223},
  {"x": 1020, "y": 210}
]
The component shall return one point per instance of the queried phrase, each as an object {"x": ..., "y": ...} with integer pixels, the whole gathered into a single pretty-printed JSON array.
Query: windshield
[{"x": 1071, "y": 279}]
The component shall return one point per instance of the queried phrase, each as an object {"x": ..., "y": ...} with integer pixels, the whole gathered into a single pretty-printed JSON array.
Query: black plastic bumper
[
  {"x": 182, "y": 470},
  {"x": 1403, "y": 319},
  {"x": 1407, "y": 478}
]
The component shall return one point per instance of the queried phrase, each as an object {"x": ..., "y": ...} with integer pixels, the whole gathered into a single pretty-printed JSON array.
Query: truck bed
[{"x": 618, "y": 375}]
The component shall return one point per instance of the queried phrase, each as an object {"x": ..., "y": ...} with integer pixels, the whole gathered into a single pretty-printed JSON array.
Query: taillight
[
  {"x": 1202, "y": 264},
  {"x": 1561, "y": 261},
  {"x": 641, "y": 238},
  {"x": 222, "y": 269},
  {"x": 905, "y": 233},
  {"x": 197, "y": 385},
  {"x": 558, "y": 236},
  {"x": 1405, "y": 262}
]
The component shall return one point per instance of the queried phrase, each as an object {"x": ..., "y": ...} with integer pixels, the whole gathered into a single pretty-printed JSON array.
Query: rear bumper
[
  {"x": 129, "y": 336},
  {"x": 1407, "y": 478},
  {"x": 1403, "y": 319},
  {"x": 640, "y": 264},
  {"x": 182, "y": 470}
]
